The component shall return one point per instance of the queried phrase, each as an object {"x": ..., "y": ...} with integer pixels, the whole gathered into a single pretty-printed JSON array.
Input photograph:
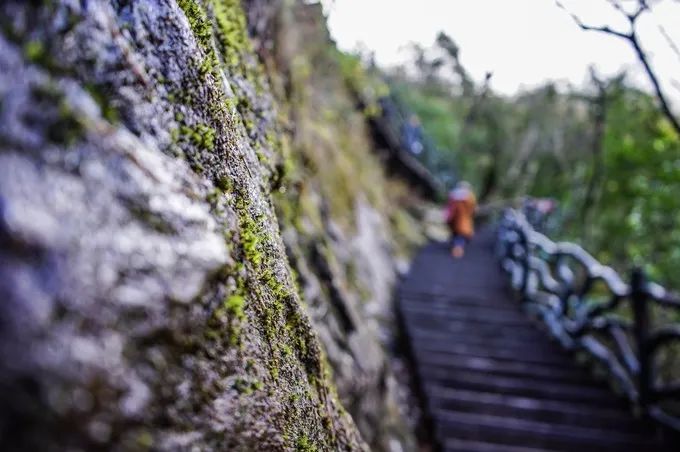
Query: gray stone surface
[{"x": 148, "y": 302}]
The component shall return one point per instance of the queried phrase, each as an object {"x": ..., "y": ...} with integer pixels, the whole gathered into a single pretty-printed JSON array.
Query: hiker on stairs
[{"x": 460, "y": 217}]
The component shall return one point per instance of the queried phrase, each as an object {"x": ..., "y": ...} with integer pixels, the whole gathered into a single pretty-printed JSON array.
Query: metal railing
[{"x": 630, "y": 329}]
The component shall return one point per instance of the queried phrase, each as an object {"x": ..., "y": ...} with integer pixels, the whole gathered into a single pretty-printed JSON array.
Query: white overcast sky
[{"x": 524, "y": 42}]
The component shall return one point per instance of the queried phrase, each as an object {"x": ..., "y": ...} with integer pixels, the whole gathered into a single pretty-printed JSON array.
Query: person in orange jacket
[{"x": 460, "y": 213}]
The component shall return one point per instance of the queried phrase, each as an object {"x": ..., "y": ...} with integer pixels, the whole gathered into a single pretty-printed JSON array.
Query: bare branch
[
  {"x": 579, "y": 22},
  {"x": 604, "y": 29},
  {"x": 665, "y": 105},
  {"x": 642, "y": 7},
  {"x": 670, "y": 41},
  {"x": 633, "y": 40}
]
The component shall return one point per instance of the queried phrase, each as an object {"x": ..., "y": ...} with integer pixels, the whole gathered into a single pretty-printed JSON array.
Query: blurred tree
[{"x": 605, "y": 152}]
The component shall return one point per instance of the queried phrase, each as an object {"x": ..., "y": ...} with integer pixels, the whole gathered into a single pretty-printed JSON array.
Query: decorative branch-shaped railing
[{"x": 631, "y": 329}]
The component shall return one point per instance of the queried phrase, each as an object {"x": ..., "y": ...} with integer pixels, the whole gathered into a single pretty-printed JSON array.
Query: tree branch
[
  {"x": 670, "y": 41},
  {"x": 633, "y": 40},
  {"x": 665, "y": 106}
]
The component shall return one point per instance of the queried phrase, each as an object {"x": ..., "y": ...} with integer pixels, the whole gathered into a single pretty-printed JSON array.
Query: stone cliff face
[{"x": 196, "y": 245}]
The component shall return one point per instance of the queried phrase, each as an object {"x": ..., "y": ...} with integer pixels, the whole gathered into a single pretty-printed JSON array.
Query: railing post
[
  {"x": 524, "y": 244},
  {"x": 641, "y": 332}
]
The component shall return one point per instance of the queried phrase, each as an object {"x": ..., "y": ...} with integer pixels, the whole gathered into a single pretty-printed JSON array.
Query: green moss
[
  {"x": 39, "y": 52},
  {"x": 198, "y": 21},
  {"x": 250, "y": 240},
  {"x": 109, "y": 112},
  {"x": 174, "y": 135},
  {"x": 34, "y": 51},
  {"x": 303, "y": 444},
  {"x": 230, "y": 104},
  {"x": 246, "y": 386},
  {"x": 274, "y": 370},
  {"x": 249, "y": 125},
  {"x": 65, "y": 128},
  {"x": 145, "y": 440},
  {"x": 202, "y": 136},
  {"x": 227, "y": 318},
  {"x": 297, "y": 333},
  {"x": 182, "y": 96},
  {"x": 224, "y": 184},
  {"x": 250, "y": 364},
  {"x": 151, "y": 219},
  {"x": 232, "y": 32},
  {"x": 234, "y": 305},
  {"x": 207, "y": 66},
  {"x": 197, "y": 166}
]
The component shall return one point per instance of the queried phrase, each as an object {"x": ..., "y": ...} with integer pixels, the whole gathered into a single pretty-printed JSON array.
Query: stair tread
[
  {"x": 443, "y": 397},
  {"x": 519, "y": 386},
  {"x": 436, "y": 360},
  {"x": 460, "y": 445},
  {"x": 486, "y": 352},
  {"x": 533, "y": 433}
]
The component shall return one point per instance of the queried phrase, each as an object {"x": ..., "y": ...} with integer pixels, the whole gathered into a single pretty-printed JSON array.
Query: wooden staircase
[{"x": 491, "y": 379}]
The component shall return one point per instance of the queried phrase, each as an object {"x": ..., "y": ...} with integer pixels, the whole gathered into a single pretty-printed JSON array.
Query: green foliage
[
  {"x": 360, "y": 80},
  {"x": 638, "y": 214},
  {"x": 617, "y": 194}
]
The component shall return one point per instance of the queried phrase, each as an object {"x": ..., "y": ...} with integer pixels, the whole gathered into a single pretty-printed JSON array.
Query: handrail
[{"x": 557, "y": 281}]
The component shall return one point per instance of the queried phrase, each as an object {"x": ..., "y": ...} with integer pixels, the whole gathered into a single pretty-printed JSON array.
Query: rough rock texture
[
  {"x": 345, "y": 229},
  {"x": 147, "y": 297}
]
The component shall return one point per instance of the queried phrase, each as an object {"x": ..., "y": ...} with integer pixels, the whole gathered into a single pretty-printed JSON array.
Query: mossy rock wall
[
  {"x": 147, "y": 298},
  {"x": 348, "y": 227},
  {"x": 150, "y": 299}
]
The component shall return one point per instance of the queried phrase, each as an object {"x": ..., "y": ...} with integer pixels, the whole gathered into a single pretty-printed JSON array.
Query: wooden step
[
  {"x": 525, "y": 332},
  {"x": 486, "y": 352},
  {"x": 498, "y": 304},
  {"x": 504, "y": 367},
  {"x": 472, "y": 315},
  {"x": 566, "y": 412},
  {"x": 534, "y": 388},
  {"x": 515, "y": 344},
  {"x": 525, "y": 433},
  {"x": 460, "y": 445}
]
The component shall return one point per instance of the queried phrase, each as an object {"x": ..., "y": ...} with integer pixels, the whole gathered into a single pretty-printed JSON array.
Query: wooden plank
[
  {"x": 568, "y": 412},
  {"x": 460, "y": 445},
  {"x": 535, "y": 388},
  {"x": 487, "y": 352},
  {"x": 504, "y": 367},
  {"x": 525, "y": 433}
]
